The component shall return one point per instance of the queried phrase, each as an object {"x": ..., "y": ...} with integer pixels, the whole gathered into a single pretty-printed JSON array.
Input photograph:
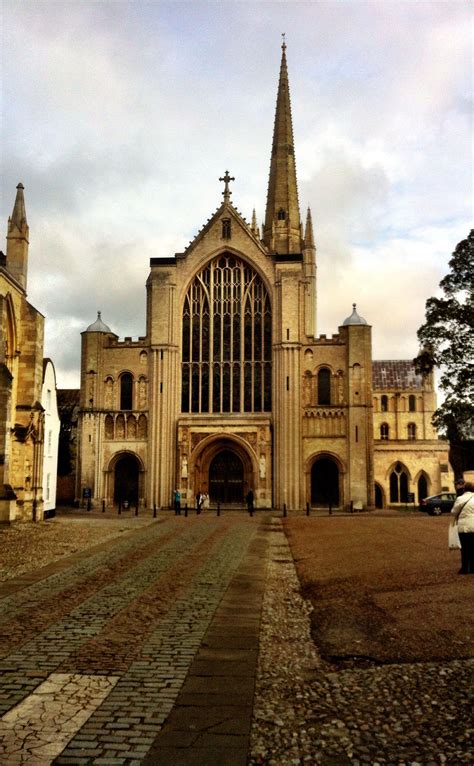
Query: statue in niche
[
  {"x": 307, "y": 389},
  {"x": 262, "y": 466},
  {"x": 184, "y": 467},
  {"x": 109, "y": 394},
  {"x": 142, "y": 393},
  {"x": 340, "y": 388}
]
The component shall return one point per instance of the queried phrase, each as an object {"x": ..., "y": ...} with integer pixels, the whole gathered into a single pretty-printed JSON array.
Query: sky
[{"x": 120, "y": 117}]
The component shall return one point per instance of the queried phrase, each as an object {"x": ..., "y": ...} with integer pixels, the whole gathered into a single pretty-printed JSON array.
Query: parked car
[{"x": 438, "y": 504}]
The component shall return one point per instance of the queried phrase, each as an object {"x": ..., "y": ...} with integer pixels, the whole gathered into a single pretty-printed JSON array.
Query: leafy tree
[{"x": 447, "y": 340}]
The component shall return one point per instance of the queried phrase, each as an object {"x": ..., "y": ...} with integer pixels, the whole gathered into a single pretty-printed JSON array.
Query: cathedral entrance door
[
  {"x": 226, "y": 478},
  {"x": 325, "y": 483},
  {"x": 126, "y": 480}
]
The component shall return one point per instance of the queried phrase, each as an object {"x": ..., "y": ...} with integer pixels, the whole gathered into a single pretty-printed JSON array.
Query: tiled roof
[{"x": 395, "y": 373}]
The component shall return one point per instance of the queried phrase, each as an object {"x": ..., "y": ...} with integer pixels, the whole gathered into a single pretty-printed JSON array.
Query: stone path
[{"x": 160, "y": 626}]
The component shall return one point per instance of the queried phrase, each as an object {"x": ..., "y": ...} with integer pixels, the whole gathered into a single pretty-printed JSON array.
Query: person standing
[
  {"x": 249, "y": 500},
  {"x": 463, "y": 513},
  {"x": 177, "y": 502},
  {"x": 199, "y": 498}
]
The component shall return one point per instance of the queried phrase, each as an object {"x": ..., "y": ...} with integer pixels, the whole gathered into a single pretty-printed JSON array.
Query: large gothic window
[{"x": 227, "y": 340}]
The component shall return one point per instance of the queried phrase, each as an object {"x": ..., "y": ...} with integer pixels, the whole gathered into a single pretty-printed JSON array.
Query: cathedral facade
[{"x": 231, "y": 390}]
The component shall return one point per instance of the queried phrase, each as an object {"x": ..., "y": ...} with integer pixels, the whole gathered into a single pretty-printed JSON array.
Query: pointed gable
[{"x": 226, "y": 227}]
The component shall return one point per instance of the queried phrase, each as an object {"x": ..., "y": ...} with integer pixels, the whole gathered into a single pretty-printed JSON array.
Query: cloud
[{"x": 119, "y": 118}]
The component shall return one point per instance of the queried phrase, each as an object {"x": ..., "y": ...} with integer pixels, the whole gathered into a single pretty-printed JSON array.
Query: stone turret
[{"x": 18, "y": 240}]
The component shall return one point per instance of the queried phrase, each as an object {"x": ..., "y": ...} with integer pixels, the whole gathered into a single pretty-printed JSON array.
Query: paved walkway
[{"x": 141, "y": 650}]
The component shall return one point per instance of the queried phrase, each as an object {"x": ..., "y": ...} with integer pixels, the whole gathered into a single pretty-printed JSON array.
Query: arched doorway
[
  {"x": 226, "y": 478},
  {"x": 422, "y": 488},
  {"x": 126, "y": 479},
  {"x": 378, "y": 496},
  {"x": 324, "y": 482}
]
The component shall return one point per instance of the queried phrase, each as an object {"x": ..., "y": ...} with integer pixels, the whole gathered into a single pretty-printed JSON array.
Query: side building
[
  {"x": 21, "y": 380},
  {"x": 411, "y": 462}
]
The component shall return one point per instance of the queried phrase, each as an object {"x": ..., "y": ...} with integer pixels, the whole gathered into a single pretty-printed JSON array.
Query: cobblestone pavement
[
  {"x": 186, "y": 643},
  {"x": 95, "y": 655}
]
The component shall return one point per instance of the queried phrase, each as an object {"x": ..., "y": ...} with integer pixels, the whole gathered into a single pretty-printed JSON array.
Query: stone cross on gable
[{"x": 226, "y": 178}]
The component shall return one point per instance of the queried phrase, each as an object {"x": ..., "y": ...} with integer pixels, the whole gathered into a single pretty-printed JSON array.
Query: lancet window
[{"x": 226, "y": 340}]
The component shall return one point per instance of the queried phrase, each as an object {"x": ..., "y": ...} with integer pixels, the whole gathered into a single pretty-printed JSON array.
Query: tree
[{"x": 447, "y": 340}]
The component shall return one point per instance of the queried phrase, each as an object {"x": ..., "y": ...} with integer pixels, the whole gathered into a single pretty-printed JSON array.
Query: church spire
[{"x": 282, "y": 231}]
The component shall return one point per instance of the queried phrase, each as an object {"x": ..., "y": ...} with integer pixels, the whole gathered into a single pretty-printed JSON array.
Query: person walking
[
  {"x": 463, "y": 516},
  {"x": 177, "y": 502}
]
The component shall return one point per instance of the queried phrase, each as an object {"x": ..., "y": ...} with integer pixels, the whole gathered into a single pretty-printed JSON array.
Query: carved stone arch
[
  {"x": 207, "y": 451},
  {"x": 131, "y": 427},
  {"x": 109, "y": 427},
  {"x": 142, "y": 431}
]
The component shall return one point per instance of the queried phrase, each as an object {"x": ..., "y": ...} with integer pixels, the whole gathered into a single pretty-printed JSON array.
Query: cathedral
[{"x": 232, "y": 390}]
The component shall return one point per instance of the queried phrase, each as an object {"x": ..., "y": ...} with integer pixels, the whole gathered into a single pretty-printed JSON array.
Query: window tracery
[{"x": 226, "y": 340}]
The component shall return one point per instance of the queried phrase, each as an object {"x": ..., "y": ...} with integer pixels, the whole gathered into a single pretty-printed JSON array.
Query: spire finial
[
  {"x": 226, "y": 178},
  {"x": 18, "y": 216},
  {"x": 283, "y": 43}
]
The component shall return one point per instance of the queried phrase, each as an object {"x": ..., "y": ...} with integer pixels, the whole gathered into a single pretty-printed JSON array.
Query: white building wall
[{"x": 51, "y": 435}]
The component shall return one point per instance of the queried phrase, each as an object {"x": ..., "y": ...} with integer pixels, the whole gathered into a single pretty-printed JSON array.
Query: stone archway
[
  {"x": 126, "y": 479},
  {"x": 325, "y": 483},
  {"x": 379, "y": 496},
  {"x": 225, "y": 470}
]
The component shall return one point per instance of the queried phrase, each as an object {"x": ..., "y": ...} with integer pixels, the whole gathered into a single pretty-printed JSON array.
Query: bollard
[
  {"x": 154, "y": 510},
  {"x": 352, "y": 506},
  {"x": 218, "y": 509},
  {"x": 186, "y": 511},
  {"x": 284, "y": 510},
  {"x": 103, "y": 506},
  {"x": 307, "y": 509}
]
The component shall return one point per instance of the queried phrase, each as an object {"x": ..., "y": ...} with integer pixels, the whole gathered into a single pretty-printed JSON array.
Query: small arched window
[
  {"x": 411, "y": 429},
  {"x": 384, "y": 403},
  {"x": 412, "y": 403},
  {"x": 384, "y": 431},
  {"x": 226, "y": 230},
  {"x": 324, "y": 386},
  {"x": 126, "y": 391},
  {"x": 281, "y": 214}
]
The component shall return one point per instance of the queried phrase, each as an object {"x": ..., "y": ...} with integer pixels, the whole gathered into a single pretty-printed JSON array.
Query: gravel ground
[{"x": 307, "y": 711}]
